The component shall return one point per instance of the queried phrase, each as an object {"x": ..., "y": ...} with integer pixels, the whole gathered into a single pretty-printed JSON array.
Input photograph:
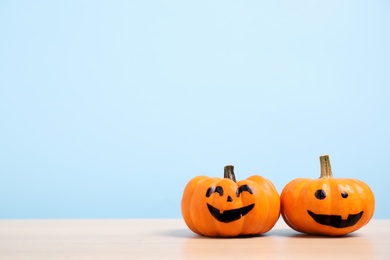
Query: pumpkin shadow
[
  {"x": 295, "y": 234},
  {"x": 288, "y": 232},
  {"x": 300, "y": 235},
  {"x": 285, "y": 232},
  {"x": 186, "y": 233}
]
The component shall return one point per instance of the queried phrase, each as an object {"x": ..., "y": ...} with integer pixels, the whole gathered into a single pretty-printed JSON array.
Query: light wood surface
[{"x": 171, "y": 239}]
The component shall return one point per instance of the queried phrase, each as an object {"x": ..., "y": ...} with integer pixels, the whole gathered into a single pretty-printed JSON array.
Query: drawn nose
[{"x": 229, "y": 199}]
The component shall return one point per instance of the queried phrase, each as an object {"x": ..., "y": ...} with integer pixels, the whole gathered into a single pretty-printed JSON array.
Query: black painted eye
[
  {"x": 210, "y": 191},
  {"x": 344, "y": 194},
  {"x": 217, "y": 189},
  {"x": 320, "y": 194},
  {"x": 243, "y": 188}
]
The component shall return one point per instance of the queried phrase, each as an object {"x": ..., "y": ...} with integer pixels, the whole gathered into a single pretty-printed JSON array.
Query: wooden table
[{"x": 171, "y": 239}]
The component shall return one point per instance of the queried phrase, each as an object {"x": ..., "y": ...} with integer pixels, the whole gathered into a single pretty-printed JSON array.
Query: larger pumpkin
[
  {"x": 327, "y": 206},
  {"x": 222, "y": 207}
]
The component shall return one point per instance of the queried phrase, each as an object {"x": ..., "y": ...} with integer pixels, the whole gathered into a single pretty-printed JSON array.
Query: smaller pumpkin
[
  {"x": 222, "y": 207},
  {"x": 327, "y": 206}
]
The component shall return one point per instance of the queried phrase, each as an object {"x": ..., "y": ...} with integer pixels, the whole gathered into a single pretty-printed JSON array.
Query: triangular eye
[
  {"x": 211, "y": 190},
  {"x": 244, "y": 188}
]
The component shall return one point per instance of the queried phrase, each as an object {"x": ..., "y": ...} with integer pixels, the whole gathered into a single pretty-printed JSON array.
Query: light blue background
[{"x": 108, "y": 108}]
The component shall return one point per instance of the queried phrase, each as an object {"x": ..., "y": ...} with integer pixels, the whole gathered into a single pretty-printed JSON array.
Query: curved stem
[
  {"x": 326, "y": 169},
  {"x": 228, "y": 172}
]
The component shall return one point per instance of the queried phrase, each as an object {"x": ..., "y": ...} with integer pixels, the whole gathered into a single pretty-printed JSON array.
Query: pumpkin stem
[
  {"x": 326, "y": 169},
  {"x": 228, "y": 172}
]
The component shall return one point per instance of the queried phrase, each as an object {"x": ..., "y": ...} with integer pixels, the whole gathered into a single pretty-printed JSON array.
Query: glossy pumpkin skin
[
  {"x": 246, "y": 207},
  {"x": 327, "y": 206}
]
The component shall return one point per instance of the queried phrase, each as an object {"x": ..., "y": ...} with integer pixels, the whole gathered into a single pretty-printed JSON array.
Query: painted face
[
  {"x": 229, "y": 215},
  {"x": 334, "y": 220}
]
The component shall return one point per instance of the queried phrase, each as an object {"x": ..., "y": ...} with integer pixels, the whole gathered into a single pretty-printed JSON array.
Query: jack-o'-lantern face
[
  {"x": 223, "y": 207},
  {"x": 229, "y": 201},
  {"x": 344, "y": 214}
]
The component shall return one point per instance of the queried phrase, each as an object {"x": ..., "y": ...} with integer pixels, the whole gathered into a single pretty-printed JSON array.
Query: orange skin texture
[
  {"x": 259, "y": 220},
  {"x": 298, "y": 197}
]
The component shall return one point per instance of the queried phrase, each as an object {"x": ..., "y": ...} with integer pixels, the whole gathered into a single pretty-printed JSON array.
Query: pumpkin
[
  {"x": 222, "y": 207},
  {"x": 327, "y": 206}
]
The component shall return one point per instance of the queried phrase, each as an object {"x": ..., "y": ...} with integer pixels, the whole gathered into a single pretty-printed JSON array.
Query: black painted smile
[
  {"x": 335, "y": 220},
  {"x": 231, "y": 214}
]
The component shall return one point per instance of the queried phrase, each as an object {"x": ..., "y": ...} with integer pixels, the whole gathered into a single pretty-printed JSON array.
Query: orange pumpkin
[
  {"x": 219, "y": 207},
  {"x": 327, "y": 206}
]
